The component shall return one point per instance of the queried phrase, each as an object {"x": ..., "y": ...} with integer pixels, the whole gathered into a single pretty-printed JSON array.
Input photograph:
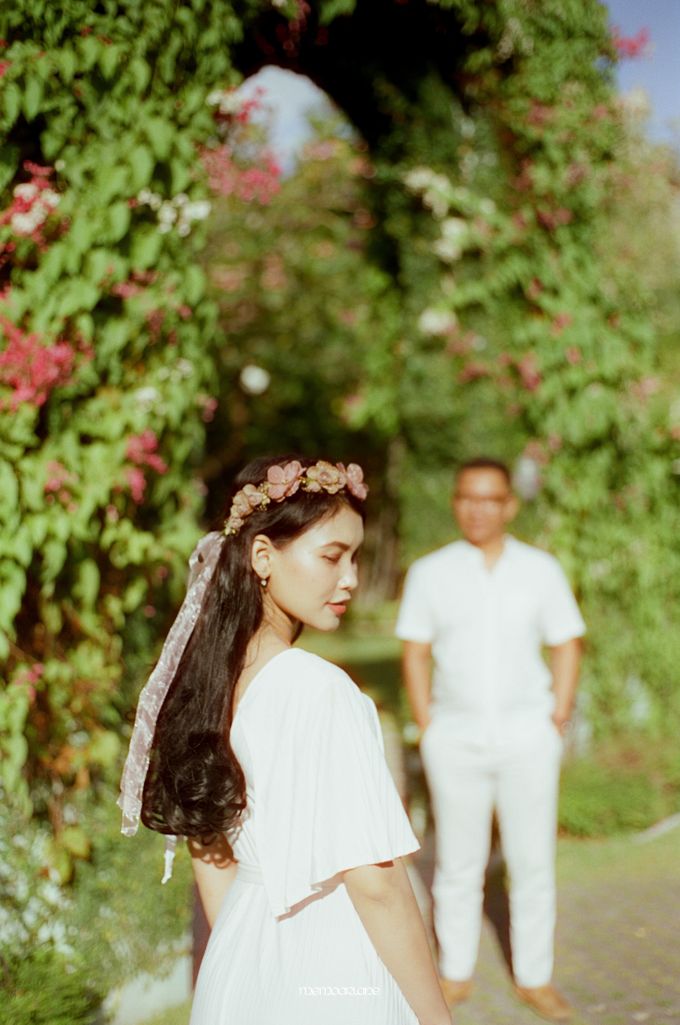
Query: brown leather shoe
[
  {"x": 546, "y": 1001},
  {"x": 455, "y": 991}
]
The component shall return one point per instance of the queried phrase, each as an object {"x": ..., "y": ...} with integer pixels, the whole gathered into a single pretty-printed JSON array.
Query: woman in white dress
[{"x": 270, "y": 760}]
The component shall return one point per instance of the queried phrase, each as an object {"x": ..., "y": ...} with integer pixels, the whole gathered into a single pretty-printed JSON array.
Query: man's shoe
[
  {"x": 455, "y": 992},
  {"x": 546, "y": 1001}
]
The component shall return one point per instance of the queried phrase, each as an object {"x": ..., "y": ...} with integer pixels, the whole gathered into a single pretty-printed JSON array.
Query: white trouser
[{"x": 519, "y": 778}]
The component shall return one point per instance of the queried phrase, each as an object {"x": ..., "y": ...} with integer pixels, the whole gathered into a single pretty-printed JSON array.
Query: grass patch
[{"x": 175, "y": 1016}]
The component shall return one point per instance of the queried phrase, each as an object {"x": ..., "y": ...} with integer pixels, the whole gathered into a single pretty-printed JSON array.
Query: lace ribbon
[{"x": 202, "y": 565}]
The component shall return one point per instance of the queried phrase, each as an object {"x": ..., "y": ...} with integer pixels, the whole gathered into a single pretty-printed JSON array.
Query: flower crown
[{"x": 284, "y": 480}]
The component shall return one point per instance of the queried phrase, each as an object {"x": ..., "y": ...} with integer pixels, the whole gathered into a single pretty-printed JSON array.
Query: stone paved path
[{"x": 618, "y": 940}]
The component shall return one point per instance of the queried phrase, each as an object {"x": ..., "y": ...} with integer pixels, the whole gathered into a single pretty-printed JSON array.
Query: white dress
[{"x": 288, "y": 947}]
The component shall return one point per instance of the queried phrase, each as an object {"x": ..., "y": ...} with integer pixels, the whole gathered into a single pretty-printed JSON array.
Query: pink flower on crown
[
  {"x": 355, "y": 481},
  {"x": 233, "y": 524},
  {"x": 240, "y": 506},
  {"x": 284, "y": 481},
  {"x": 324, "y": 476},
  {"x": 254, "y": 496}
]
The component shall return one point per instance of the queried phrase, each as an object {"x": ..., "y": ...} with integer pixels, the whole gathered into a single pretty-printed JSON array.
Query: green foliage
[
  {"x": 125, "y": 922},
  {"x": 602, "y": 800},
  {"x": 38, "y": 988},
  {"x": 110, "y": 348}
]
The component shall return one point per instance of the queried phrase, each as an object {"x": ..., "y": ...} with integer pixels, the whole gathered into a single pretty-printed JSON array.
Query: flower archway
[{"x": 493, "y": 131}]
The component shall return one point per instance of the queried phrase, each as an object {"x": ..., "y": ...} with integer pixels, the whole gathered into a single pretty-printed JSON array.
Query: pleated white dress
[{"x": 288, "y": 947}]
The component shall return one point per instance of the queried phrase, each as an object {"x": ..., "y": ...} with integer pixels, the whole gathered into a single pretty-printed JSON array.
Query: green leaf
[
  {"x": 180, "y": 176},
  {"x": 9, "y": 486},
  {"x": 146, "y": 247},
  {"x": 75, "y": 840},
  {"x": 141, "y": 162},
  {"x": 118, "y": 221},
  {"x": 79, "y": 294},
  {"x": 21, "y": 546},
  {"x": 11, "y": 103},
  {"x": 87, "y": 587},
  {"x": 67, "y": 63},
  {"x": 140, "y": 72},
  {"x": 113, "y": 180},
  {"x": 33, "y": 97},
  {"x": 104, "y": 749},
  {"x": 160, "y": 134},
  {"x": 9, "y": 160},
  {"x": 53, "y": 558},
  {"x": 108, "y": 60},
  {"x": 194, "y": 284}
]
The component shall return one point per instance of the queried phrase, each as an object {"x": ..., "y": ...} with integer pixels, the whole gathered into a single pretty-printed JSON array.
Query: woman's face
[{"x": 312, "y": 578}]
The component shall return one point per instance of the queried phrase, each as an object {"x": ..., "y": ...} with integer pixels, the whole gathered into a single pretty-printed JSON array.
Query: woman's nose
[{"x": 350, "y": 577}]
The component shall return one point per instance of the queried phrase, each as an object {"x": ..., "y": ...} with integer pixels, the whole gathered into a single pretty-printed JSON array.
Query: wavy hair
[{"x": 195, "y": 786}]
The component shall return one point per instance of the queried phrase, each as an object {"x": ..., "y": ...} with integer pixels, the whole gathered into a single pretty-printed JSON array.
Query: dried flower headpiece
[{"x": 284, "y": 480}]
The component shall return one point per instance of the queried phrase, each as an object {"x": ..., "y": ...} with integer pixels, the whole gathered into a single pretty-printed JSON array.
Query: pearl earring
[{"x": 263, "y": 581}]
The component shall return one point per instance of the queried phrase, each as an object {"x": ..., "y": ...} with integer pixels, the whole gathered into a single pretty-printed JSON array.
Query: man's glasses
[{"x": 491, "y": 502}]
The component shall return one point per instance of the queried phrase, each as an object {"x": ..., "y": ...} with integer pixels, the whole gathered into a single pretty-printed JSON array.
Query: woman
[{"x": 270, "y": 760}]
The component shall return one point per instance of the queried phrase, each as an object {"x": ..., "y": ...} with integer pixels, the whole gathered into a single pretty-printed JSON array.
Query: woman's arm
[
  {"x": 214, "y": 871},
  {"x": 385, "y": 902}
]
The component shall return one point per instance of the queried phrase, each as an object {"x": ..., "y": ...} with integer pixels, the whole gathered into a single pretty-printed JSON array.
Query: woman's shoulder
[
  {"x": 299, "y": 684},
  {"x": 305, "y": 678},
  {"x": 306, "y": 669}
]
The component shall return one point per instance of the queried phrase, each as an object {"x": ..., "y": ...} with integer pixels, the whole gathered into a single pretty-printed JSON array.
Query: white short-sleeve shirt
[{"x": 487, "y": 628}]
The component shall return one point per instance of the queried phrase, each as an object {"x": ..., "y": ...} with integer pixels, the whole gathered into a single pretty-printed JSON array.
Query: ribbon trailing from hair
[{"x": 202, "y": 565}]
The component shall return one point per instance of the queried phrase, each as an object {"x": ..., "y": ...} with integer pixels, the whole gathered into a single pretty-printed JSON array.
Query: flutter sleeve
[{"x": 324, "y": 797}]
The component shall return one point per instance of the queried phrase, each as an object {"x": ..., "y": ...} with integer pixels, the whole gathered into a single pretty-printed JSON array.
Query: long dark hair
[{"x": 195, "y": 786}]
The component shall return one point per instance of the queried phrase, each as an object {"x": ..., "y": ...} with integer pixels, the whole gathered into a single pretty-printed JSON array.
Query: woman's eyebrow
[{"x": 337, "y": 544}]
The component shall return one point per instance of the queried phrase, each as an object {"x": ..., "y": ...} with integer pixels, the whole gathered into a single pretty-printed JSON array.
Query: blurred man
[{"x": 474, "y": 617}]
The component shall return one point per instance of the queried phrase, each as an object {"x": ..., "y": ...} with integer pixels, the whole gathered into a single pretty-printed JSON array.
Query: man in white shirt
[{"x": 474, "y": 618}]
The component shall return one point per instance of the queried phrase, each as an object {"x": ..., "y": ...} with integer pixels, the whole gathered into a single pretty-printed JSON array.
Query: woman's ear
[{"x": 261, "y": 556}]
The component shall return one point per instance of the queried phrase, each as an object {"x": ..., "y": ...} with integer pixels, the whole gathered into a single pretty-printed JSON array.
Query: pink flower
[
  {"x": 324, "y": 476},
  {"x": 254, "y": 496},
  {"x": 529, "y": 373},
  {"x": 240, "y": 506},
  {"x": 284, "y": 480},
  {"x": 141, "y": 449},
  {"x": 32, "y": 370},
  {"x": 631, "y": 46},
  {"x": 355, "y": 481},
  {"x": 136, "y": 482}
]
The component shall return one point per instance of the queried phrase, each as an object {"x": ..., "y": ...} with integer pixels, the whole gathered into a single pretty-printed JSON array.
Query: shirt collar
[{"x": 476, "y": 555}]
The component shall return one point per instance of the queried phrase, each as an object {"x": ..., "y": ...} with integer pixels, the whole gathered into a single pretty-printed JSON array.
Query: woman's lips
[{"x": 337, "y": 607}]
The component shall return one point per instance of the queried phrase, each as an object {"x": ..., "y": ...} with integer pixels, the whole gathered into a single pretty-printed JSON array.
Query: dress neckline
[{"x": 256, "y": 678}]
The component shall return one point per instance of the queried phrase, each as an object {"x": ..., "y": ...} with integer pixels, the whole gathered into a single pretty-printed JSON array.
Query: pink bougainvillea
[
  {"x": 631, "y": 46},
  {"x": 32, "y": 369},
  {"x": 59, "y": 483},
  {"x": 227, "y": 178},
  {"x": 142, "y": 452},
  {"x": 529, "y": 374}
]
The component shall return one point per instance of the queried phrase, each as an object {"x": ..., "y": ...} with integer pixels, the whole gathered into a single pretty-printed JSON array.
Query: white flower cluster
[
  {"x": 454, "y": 237},
  {"x": 147, "y": 397},
  {"x": 435, "y": 322},
  {"x": 227, "y": 101},
  {"x": 32, "y": 906},
  {"x": 435, "y": 189},
  {"x": 254, "y": 380},
  {"x": 36, "y": 205},
  {"x": 179, "y": 212}
]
